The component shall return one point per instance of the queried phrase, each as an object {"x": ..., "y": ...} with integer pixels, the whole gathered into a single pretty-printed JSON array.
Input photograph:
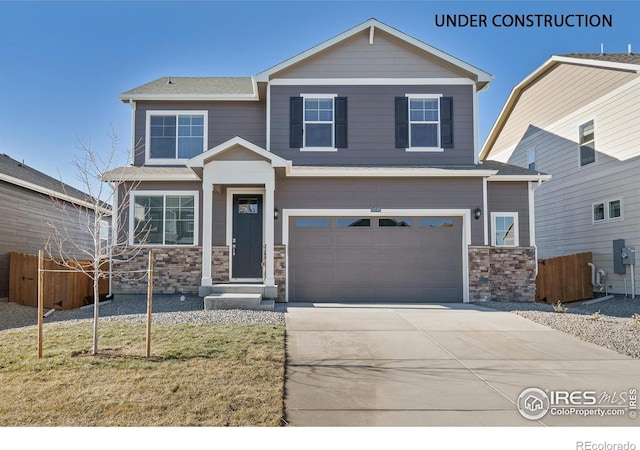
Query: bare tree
[{"x": 95, "y": 216}]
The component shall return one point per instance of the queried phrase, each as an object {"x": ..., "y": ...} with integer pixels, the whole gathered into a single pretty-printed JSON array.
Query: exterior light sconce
[
  {"x": 477, "y": 213},
  {"x": 276, "y": 213}
]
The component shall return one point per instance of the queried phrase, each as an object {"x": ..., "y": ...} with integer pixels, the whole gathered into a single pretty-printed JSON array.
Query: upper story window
[
  {"x": 424, "y": 122},
  {"x": 175, "y": 135},
  {"x": 163, "y": 218},
  {"x": 587, "y": 139},
  {"x": 318, "y": 122},
  {"x": 531, "y": 158},
  {"x": 505, "y": 229}
]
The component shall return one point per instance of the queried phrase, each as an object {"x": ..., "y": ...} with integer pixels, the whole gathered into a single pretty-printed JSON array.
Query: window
[
  {"x": 104, "y": 236},
  {"x": 505, "y": 230},
  {"x": 313, "y": 222},
  {"x": 318, "y": 122},
  {"x": 587, "y": 138},
  {"x": 531, "y": 158},
  {"x": 609, "y": 210},
  {"x": 436, "y": 222},
  {"x": 424, "y": 122},
  {"x": 164, "y": 218},
  {"x": 344, "y": 222},
  {"x": 395, "y": 222},
  {"x": 175, "y": 135},
  {"x": 598, "y": 212}
]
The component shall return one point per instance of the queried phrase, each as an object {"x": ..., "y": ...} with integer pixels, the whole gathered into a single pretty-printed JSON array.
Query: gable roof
[
  {"x": 612, "y": 61},
  {"x": 19, "y": 174},
  {"x": 481, "y": 77},
  {"x": 200, "y": 160},
  {"x": 194, "y": 88}
]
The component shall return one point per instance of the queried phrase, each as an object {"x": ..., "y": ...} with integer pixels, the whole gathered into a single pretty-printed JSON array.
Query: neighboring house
[
  {"x": 346, "y": 173},
  {"x": 577, "y": 117},
  {"x": 29, "y": 202}
]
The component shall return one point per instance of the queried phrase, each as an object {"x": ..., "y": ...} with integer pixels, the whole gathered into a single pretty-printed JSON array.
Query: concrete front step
[
  {"x": 238, "y": 301},
  {"x": 270, "y": 292}
]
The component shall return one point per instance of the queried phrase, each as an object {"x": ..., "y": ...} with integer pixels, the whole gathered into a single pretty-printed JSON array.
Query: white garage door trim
[{"x": 464, "y": 213}]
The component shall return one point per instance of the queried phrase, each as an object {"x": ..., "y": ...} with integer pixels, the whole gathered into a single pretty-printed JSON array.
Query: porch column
[
  {"x": 269, "y": 232},
  {"x": 207, "y": 230}
]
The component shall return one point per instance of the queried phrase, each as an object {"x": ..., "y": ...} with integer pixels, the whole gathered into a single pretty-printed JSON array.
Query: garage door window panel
[{"x": 400, "y": 222}]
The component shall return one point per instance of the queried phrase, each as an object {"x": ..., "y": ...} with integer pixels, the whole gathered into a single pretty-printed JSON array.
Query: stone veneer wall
[
  {"x": 280, "y": 270},
  {"x": 502, "y": 273},
  {"x": 176, "y": 270}
]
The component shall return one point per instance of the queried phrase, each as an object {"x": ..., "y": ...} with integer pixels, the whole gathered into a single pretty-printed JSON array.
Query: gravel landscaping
[
  {"x": 608, "y": 323},
  {"x": 132, "y": 308}
]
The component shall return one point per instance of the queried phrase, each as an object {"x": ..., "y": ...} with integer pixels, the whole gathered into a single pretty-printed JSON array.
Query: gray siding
[
  {"x": 433, "y": 193},
  {"x": 388, "y": 57},
  {"x": 371, "y": 126},
  {"x": 507, "y": 196},
  {"x": 25, "y": 217},
  {"x": 226, "y": 120}
]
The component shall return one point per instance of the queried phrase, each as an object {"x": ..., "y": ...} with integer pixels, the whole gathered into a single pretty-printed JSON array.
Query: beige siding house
[{"x": 577, "y": 117}]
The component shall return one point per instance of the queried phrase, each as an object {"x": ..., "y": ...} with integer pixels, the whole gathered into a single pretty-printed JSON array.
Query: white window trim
[
  {"x": 424, "y": 149},
  {"x": 516, "y": 227},
  {"x": 607, "y": 206},
  {"x": 196, "y": 218},
  {"x": 332, "y": 148},
  {"x": 595, "y": 136},
  {"x": 147, "y": 137}
]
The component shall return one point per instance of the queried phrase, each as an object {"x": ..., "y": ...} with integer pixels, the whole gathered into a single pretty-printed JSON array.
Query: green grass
[{"x": 198, "y": 375}]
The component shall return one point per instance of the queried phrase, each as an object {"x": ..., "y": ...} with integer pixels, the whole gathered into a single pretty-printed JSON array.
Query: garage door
[{"x": 391, "y": 259}]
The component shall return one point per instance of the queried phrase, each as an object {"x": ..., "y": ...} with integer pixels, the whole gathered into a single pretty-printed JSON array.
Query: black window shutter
[
  {"x": 402, "y": 122},
  {"x": 296, "y": 107},
  {"x": 341, "y": 122},
  {"x": 446, "y": 122}
]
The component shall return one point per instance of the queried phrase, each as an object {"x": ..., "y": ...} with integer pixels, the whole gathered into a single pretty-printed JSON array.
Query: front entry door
[{"x": 246, "y": 244}]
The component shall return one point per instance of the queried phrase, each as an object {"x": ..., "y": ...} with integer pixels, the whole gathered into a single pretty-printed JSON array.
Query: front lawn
[{"x": 198, "y": 375}]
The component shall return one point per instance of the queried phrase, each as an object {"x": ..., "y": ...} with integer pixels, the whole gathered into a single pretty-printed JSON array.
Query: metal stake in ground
[
  {"x": 149, "y": 301},
  {"x": 40, "y": 299}
]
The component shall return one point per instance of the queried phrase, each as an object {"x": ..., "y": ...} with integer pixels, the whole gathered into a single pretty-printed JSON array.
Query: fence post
[
  {"x": 40, "y": 299},
  {"x": 149, "y": 301}
]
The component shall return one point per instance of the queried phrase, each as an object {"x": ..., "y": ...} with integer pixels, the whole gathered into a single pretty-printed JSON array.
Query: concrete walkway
[{"x": 437, "y": 365}]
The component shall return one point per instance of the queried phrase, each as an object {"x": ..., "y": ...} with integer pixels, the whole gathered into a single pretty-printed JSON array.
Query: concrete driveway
[{"x": 439, "y": 365}]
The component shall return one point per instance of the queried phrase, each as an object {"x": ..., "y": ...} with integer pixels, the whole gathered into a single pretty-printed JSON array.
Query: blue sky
[{"x": 62, "y": 64}]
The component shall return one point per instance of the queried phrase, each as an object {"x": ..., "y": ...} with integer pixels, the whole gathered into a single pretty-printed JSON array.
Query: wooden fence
[
  {"x": 62, "y": 290},
  {"x": 564, "y": 279}
]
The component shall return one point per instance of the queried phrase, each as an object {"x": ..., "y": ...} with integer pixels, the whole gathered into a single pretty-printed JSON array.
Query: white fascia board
[
  {"x": 370, "y": 81},
  {"x": 309, "y": 171},
  {"x": 538, "y": 177},
  {"x": 191, "y": 97},
  {"x": 151, "y": 177},
  {"x": 481, "y": 75},
  {"x": 275, "y": 160},
  {"x": 52, "y": 193}
]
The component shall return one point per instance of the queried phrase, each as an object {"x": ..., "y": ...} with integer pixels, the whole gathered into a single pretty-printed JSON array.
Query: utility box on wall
[
  {"x": 618, "y": 265},
  {"x": 628, "y": 255}
]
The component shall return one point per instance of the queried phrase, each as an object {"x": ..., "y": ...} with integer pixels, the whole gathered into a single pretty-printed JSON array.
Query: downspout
[{"x": 532, "y": 217}]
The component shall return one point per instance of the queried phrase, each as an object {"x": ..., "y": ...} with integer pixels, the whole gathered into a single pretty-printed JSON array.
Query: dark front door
[{"x": 246, "y": 246}]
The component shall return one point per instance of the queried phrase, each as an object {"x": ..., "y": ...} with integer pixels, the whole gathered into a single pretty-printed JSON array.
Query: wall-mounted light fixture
[
  {"x": 276, "y": 213},
  {"x": 477, "y": 213}
]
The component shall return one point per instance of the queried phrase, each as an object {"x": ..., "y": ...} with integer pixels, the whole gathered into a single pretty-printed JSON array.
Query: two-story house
[
  {"x": 346, "y": 173},
  {"x": 577, "y": 117}
]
